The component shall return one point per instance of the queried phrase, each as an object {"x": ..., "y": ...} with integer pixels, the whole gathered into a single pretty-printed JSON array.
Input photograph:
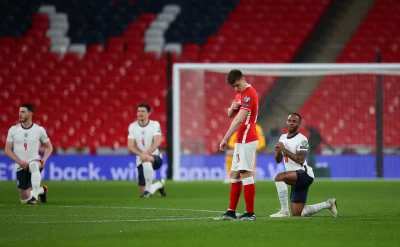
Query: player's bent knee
[
  {"x": 296, "y": 214},
  {"x": 279, "y": 177},
  {"x": 34, "y": 166}
]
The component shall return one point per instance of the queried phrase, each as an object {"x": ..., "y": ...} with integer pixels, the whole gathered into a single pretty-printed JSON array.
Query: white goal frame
[{"x": 287, "y": 69}]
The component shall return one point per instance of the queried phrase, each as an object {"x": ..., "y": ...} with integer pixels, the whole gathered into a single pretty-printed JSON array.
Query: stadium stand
[
  {"x": 377, "y": 32},
  {"x": 83, "y": 60}
]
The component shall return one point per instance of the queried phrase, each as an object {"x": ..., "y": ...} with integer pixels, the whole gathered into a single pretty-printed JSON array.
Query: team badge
[
  {"x": 246, "y": 99},
  {"x": 304, "y": 144}
]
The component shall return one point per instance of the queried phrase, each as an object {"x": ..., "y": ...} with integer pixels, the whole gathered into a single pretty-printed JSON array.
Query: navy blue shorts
[
  {"x": 157, "y": 162},
  {"x": 299, "y": 192},
  {"x": 156, "y": 165},
  {"x": 24, "y": 179}
]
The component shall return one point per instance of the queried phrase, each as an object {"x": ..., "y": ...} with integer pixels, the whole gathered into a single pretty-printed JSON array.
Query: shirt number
[{"x": 25, "y": 145}]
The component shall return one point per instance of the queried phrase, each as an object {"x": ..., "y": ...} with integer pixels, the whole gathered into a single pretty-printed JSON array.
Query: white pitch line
[
  {"x": 143, "y": 208},
  {"x": 108, "y": 221},
  {"x": 215, "y": 211},
  {"x": 99, "y": 216},
  {"x": 36, "y": 215}
]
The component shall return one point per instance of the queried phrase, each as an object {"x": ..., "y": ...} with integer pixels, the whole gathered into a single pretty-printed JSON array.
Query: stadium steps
[
  {"x": 328, "y": 39},
  {"x": 378, "y": 31},
  {"x": 347, "y": 21}
]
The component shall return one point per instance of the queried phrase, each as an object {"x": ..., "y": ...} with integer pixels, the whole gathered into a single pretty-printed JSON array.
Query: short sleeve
[
  {"x": 43, "y": 135},
  {"x": 247, "y": 101},
  {"x": 10, "y": 137},
  {"x": 281, "y": 138},
  {"x": 130, "y": 132},
  {"x": 157, "y": 128},
  {"x": 303, "y": 145}
]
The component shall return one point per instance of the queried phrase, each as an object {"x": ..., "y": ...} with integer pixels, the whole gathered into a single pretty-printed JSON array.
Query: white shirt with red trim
[
  {"x": 144, "y": 136},
  {"x": 26, "y": 142},
  {"x": 295, "y": 143}
]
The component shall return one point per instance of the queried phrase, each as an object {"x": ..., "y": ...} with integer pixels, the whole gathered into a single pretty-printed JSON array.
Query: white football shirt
[
  {"x": 294, "y": 144},
  {"x": 144, "y": 136},
  {"x": 26, "y": 142}
]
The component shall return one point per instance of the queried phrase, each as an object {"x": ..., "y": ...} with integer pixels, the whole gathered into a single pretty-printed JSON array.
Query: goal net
[{"x": 338, "y": 100}]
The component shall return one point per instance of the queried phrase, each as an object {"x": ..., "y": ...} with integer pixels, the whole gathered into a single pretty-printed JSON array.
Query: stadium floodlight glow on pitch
[{"x": 190, "y": 96}]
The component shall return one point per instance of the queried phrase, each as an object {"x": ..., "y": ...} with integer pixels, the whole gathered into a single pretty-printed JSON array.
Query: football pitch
[{"x": 112, "y": 214}]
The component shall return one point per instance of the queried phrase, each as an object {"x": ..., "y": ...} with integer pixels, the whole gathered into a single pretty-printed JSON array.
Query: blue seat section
[
  {"x": 93, "y": 21},
  {"x": 16, "y": 16},
  {"x": 198, "y": 20}
]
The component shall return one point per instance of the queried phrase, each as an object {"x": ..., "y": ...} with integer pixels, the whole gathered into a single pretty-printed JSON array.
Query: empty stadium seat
[{"x": 104, "y": 71}]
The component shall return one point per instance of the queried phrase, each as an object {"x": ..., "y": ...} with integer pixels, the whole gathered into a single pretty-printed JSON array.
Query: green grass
[{"x": 112, "y": 214}]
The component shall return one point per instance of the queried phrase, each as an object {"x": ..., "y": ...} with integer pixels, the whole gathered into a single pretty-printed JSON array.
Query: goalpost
[{"x": 201, "y": 98}]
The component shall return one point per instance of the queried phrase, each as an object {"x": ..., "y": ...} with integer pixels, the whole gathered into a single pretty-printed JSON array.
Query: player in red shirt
[{"x": 244, "y": 110}]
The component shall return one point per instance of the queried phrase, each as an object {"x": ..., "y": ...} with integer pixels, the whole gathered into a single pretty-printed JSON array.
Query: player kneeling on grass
[
  {"x": 292, "y": 148},
  {"x": 143, "y": 140},
  {"x": 22, "y": 146}
]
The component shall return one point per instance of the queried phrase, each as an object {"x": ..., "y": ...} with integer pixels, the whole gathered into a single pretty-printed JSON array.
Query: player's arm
[
  {"x": 278, "y": 152},
  {"x": 231, "y": 113},
  {"x": 47, "y": 152},
  {"x": 47, "y": 144},
  {"x": 155, "y": 145},
  {"x": 233, "y": 109},
  {"x": 236, "y": 122},
  {"x": 9, "y": 152},
  {"x": 278, "y": 156},
  {"x": 299, "y": 157},
  {"x": 132, "y": 147}
]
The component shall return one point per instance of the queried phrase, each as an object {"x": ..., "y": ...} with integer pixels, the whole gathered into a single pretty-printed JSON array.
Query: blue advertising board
[{"x": 196, "y": 167}]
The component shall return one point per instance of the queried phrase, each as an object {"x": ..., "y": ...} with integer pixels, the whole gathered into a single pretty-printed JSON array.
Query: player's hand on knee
[
  {"x": 144, "y": 157},
  {"x": 42, "y": 163},
  {"x": 23, "y": 164}
]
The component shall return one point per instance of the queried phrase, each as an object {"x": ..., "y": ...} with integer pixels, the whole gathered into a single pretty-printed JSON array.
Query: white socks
[
  {"x": 282, "y": 189},
  {"x": 156, "y": 186},
  {"x": 148, "y": 175},
  {"x": 36, "y": 178},
  {"x": 315, "y": 208}
]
